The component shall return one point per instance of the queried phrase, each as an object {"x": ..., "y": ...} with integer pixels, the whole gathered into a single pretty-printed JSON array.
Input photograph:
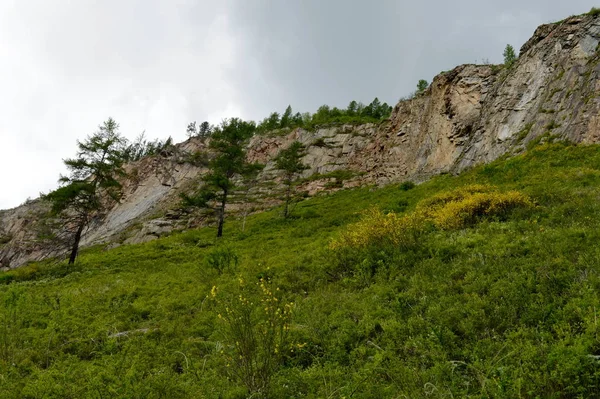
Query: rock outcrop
[{"x": 469, "y": 115}]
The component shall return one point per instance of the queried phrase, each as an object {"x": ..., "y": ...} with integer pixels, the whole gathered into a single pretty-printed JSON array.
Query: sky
[{"x": 156, "y": 65}]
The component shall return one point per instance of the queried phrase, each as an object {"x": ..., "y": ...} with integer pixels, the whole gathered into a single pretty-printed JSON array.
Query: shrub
[
  {"x": 465, "y": 206},
  {"x": 377, "y": 228},
  {"x": 422, "y": 85},
  {"x": 222, "y": 259},
  {"x": 255, "y": 325},
  {"x": 594, "y": 12},
  {"x": 334, "y": 184},
  {"x": 320, "y": 142},
  {"x": 449, "y": 210},
  {"x": 402, "y": 205},
  {"x": 5, "y": 239},
  {"x": 509, "y": 55},
  {"x": 407, "y": 185},
  {"x": 198, "y": 158}
]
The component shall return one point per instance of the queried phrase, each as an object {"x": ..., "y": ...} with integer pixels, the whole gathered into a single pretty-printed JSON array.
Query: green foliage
[
  {"x": 222, "y": 259},
  {"x": 141, "y": 148},
  {"x": 595, "y": 11},
  {"x": 199, "y": 199},
  {"x": 286, "y": 118},
  {"x": 228, "y": 142},
  {"x": 352, "y": 109},
  {"x": 552, "y": 125},
  {"x": 289, "y": 161},
  {"x": 407, "y": 185},
  {"x": 255, "y": 325},
  {"x": 5, "y": 238},
  {"x": 356, "y": 113},
  {"x": 509, "y": 56},
  {"x": 422, "y": 85},
  {"x": 339, "y": 175},
  {"x": 198, "y": 159},
  {"x": 203, "y": 131},
  {"x": 320, "y": 142},
  {"x": 92, "y": 186},
  {"x": 505, "y": 307},
  {"x": 523, "y": 133}
]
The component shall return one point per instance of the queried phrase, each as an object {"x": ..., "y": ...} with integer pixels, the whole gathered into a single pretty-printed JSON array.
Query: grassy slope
[{"x": 502, "y": 309}]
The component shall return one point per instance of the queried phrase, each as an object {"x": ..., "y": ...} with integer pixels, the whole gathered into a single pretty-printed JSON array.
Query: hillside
[
  {"x": 470, "y": 115},
  {"x": 448, "y": 251},
  {"x": 504, "y": 305}
]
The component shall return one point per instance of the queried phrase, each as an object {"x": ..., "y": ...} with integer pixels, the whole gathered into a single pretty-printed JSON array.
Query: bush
[
  {"x": 379, "y": 229},
  {"x": 320, "y": 142},
  {"x": 4, "y": 239},
  {"x": 255, "y": 326},
  {"x": 198, "y": 158},
  {"x": 449, "y": 210},
  {"x": 465, "y": 206},
  {"x": 222, "y": 259},
  {"x": 407, "y": 185},
  {"x": 594, "y": 12},
  {"x": 509, "y": 56}
]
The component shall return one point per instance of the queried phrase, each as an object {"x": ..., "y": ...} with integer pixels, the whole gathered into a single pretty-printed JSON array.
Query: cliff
[{"x": 469, "y": 115}]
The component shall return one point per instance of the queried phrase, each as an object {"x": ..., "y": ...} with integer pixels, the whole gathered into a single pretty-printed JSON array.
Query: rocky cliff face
[{"x": 470, "y": 115}]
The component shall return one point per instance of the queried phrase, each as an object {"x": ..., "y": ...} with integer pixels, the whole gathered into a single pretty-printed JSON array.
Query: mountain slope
[
  {"x": 504, "y": 307},
  {"x": 470, "y": 115}
]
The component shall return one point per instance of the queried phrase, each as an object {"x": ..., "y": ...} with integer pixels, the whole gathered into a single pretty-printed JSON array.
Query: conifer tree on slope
[
  {"x": 228, "y": 141},
  {"x": 289, "y": 161},
  {"x": 91, "y": 187}
]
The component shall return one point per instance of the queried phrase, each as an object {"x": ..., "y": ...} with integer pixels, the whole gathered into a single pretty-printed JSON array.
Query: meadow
[{"x": 491, "y": 291}]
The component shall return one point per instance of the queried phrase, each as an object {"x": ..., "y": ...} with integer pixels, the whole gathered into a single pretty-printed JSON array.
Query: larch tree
[
  {"x": 509, "y": 55},
  {"x": 289, "y": 161},
  {"x": 422, "y": 85},
  {"x": 286, "y": 118},
  {"x": 228, "y": 142},
  {"x": 92, "y": 185}
]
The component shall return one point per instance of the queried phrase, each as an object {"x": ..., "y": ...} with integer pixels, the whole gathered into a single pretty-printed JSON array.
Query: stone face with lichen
[{"x": 469, "y": 115}]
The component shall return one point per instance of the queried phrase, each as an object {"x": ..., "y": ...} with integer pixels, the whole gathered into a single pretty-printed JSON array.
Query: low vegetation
[
  {"x": 483, "y": 285},
  {"x": 276, "y": 124}
]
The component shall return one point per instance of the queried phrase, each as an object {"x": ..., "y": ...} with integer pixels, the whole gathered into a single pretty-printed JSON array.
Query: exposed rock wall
[{"x": 470, "y": 115}]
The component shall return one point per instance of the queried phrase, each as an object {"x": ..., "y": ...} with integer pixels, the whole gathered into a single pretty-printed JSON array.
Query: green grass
[{"x": 502, "y": 309}]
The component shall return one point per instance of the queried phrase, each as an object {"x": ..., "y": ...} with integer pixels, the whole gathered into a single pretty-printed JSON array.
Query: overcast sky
[{"x": 155, "y": 65}]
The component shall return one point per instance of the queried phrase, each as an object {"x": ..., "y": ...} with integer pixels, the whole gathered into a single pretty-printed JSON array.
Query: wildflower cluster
[
  {"x": 255, "y": 324},
  {"x": 378, "y": 228},
  {"x": 462, "y": 207},
  {"x": 449, "y": 210}
]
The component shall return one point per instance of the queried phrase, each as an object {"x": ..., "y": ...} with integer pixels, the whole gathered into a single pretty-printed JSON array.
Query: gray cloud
[
  {"x": 314, "y": 52},
  {"x": 156, "y": 65}
]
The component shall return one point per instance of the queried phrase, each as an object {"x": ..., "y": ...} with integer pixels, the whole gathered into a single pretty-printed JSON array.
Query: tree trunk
[
  {"x": 287, "y": 201},
  {"x": 222, "y": 214},
  {"x": 75, "y": 248}
]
